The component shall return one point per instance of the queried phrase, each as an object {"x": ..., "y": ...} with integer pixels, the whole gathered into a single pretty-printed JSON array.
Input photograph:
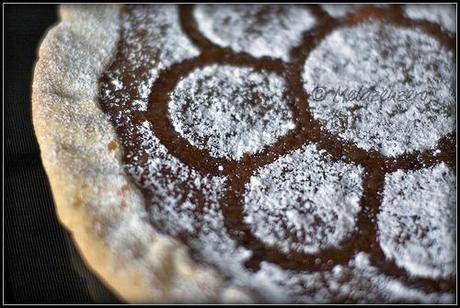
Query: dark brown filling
[{"x": 307, "y": 130}]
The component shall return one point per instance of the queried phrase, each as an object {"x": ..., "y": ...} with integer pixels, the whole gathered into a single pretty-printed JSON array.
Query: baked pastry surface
[{"x": 191, "y": 160}]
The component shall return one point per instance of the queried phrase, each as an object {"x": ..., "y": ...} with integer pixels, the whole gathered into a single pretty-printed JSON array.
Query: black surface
[{"x": 41, "y": 263}]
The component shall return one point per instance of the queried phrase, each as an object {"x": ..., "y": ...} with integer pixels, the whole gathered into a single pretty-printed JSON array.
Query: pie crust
[{"x": 93, "y": 196}]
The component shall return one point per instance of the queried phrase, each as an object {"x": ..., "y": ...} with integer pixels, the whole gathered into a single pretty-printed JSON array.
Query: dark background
[{"x": 41, "y": 265}]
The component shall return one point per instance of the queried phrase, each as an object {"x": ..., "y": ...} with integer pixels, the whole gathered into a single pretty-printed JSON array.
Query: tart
[{"x": 256, "y": 153}]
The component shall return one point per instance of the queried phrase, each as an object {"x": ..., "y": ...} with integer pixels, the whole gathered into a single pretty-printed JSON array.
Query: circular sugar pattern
[
  {"x": 417, "y": 221},
  {"x": 386, "y": 88},
  {"x": 357, "y": 281},
  {"x": 442, "y": 14},
  {"x": 260, "y": 30},
  {"x": 230, "y": 111},
  {"x": 303, "y": 201}
]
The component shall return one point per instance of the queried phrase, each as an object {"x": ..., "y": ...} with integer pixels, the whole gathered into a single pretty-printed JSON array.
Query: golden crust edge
[
  {"x": 133, "y": 284},
  {"x": 75, "y": 220}
]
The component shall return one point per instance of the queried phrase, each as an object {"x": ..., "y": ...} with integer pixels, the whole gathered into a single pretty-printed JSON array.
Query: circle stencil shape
[
  {"x": 260, "y": 30},
  {"x": 387, "y": 88},
  {"x": 303, "y": 201},
  {"x": 417, "y": 221},
  {"x": 230, "y": 111}
]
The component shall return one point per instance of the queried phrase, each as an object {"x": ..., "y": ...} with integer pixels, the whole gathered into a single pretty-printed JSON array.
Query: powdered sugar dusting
[
  {"x": 175, "y": 188},
  {"x": 260, "y": 30},
  {"x": 443, "y": 14},
  {"x": 356, "y": 281},
  {"x": 154, "y": 40},
  {"x": 230, "y": 111},
  {"x": 392, "y": 59},
  {"x": 304, "y": 201},
  {"x": 341, "y": 10},
  {"x": 417, "y": 221}
]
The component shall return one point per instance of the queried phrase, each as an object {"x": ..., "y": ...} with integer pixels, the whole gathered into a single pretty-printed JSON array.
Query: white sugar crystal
[
  {"x": 304, "y": 201},
  {"x": 260, "y": 30},
  {"x": 230, "y": 111},
  {"x": 118, "y": 84},
  {"x": 391, "y": 59},
  {"x": 417, "y": 221}
]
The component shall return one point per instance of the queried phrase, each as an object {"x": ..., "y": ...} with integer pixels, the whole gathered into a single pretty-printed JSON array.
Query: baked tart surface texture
[{"x": 260, "y": 153}]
